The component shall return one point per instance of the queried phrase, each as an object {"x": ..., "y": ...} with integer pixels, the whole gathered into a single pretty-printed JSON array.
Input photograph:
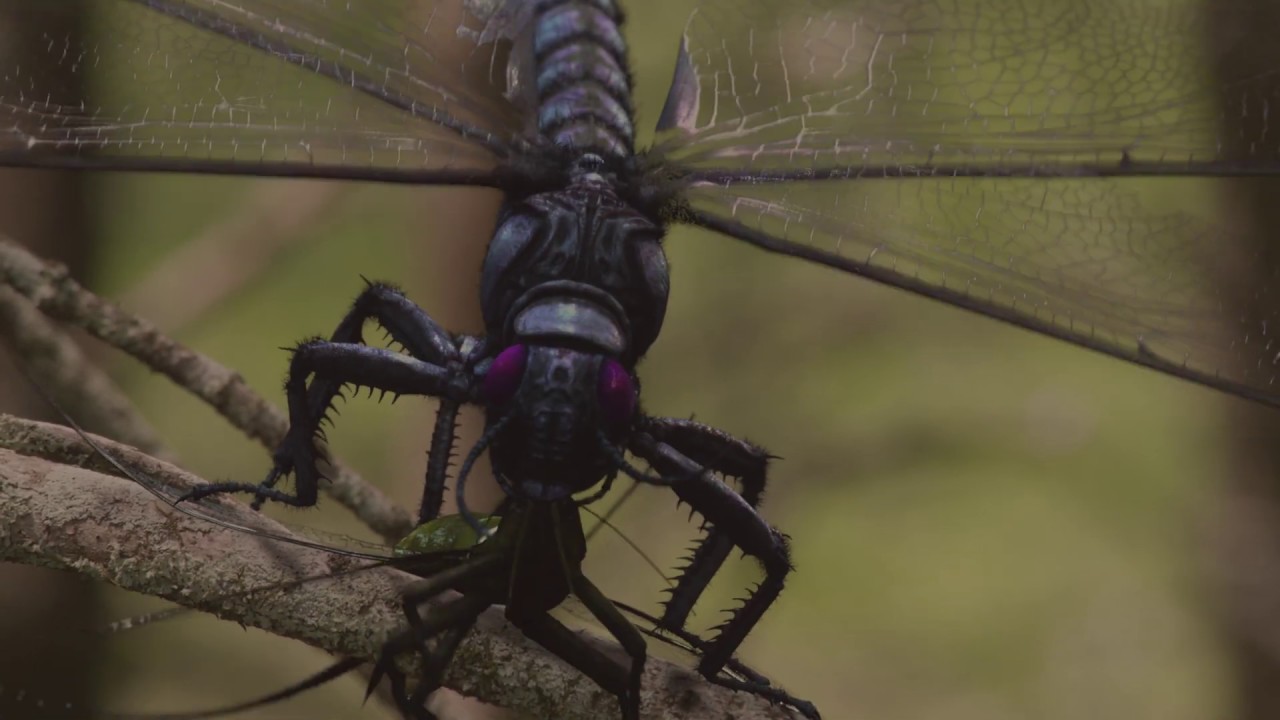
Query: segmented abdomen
[{"x": 584, "y": 88}]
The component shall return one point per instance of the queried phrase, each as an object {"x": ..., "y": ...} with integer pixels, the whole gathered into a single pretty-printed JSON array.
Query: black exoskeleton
[{"x": 574, "y": 290}]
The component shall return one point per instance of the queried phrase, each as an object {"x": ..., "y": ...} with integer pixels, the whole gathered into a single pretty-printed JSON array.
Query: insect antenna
[
  {"x": 460, "y": 486},
  {"x": 604, "y": 522},
  {"x": 333, "y": 672}
]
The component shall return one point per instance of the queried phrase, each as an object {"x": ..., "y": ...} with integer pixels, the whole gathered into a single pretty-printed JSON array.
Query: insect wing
[
  {"x": 920, "y": 87},
  {"x": 956, "y": 153},
  {"x": 379, "y": 89}
]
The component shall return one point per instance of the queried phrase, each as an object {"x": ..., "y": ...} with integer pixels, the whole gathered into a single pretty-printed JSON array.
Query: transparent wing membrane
[
  {"x": 1083, "y": 261},
  {"x": 385, "y": 89},
  {"x": 995, "y": 156},
  {"x": 1025, "y": 87}
]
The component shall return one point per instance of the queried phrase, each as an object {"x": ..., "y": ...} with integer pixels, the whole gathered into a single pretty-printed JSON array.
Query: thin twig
[
  {"x": 51, "y": 289},
  {"x": 59, "y": 365},
  {"x": 62, "y": 516}
]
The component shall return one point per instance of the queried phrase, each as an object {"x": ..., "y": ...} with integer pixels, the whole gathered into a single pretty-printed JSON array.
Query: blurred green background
[{"x": 985, "y": 524}]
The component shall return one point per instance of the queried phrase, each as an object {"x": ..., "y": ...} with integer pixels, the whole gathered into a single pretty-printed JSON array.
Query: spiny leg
[
  {"x": 720, "y": 452},
  {"x": 438, "y": 457},
  {"x": 442, "y": 654},
  {"x": 628, "y": 637},
  {"x": 447, "y": 624},
  {"x": 456, "y": 616},
  {"x": 407, "y": 324},
  {"x": 727, "y": 511},
  {"x": 384, "y": 370},
  {"x": 443, "y": 437},
  {"x": 605, "y": 671},
  {"x": 752, "y": 682}
]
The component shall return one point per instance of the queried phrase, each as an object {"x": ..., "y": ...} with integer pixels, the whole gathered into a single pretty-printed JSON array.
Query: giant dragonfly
[{"x": 971, "y": 155}]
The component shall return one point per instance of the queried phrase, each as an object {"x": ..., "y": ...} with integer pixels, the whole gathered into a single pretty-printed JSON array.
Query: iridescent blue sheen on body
[
  {"x": 580, "y": 60},
  {"x": 584, "y": 89}
]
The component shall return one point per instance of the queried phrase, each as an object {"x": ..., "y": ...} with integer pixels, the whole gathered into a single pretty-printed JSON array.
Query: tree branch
[
  {"x": 58, "y": 510},
  {"x": 51, "y": 289},
  {"x": 60, "y": 367}
]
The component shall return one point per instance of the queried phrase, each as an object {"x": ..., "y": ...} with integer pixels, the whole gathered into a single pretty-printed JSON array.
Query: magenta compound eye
[
  {"x": 617, "y": 394},
  {"x": 505, "y": 373}
]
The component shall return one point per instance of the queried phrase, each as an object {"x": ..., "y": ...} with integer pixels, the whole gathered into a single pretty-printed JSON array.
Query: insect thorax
[{"x": 576, "y": 266}]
